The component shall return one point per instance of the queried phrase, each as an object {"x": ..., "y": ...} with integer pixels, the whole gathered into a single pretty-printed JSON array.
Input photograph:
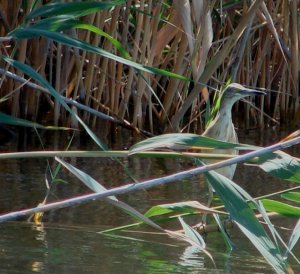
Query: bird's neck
[
  {"x": 227, "y": 104},
  {"x": 225, "y": 112}
]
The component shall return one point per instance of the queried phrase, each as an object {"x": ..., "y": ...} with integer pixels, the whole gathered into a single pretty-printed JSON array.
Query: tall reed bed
[{"x": 210, "y": 43}]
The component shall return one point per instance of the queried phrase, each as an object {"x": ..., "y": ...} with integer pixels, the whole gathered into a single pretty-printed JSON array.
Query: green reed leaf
[
  {"x": 245, "y": 218},
  {"x": 73, "y": 8},
  {"x": 292, "y": 196},
  {"x": 279, "y": 164},
  {"x": 11, "y": 120},
  {"x": 63, "y": 22},
  {"x": 98, "y": 188},
  {"x": 281, "y": 208},
  {"x": 192, "y": 207},
  {"x": 294, "y": 238},
  {"x": 27, "y": 33},
  {"x": 34, "y": 75},
  {"x": 183, "y": 141}
]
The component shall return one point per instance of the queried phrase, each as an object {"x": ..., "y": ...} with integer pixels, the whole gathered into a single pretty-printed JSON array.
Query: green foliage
[
  {"x": 294, "y": 238},
  {"x": 63, "y": 22},
  {"x": 230, "y": 245},
  {"x": 292, "y": 196},
  {"x": 33, "y": 74},
  {"x": 238, "y": 203},
  {"x": 190, "y": 207},
  {"x": 180, "y": 141},
  {"x": 51, "y": 21},
  {"x": 10, "y": 120},
  {"x": 244, "y": 217},
  {"x": 192, "y": 234},
  {"x": 98, "y": 188},
  {"x": 72, "y": 8},
  {"x": 281, "y": 208},
  {"x": 281, "y": 165},
  {"x": 27, "y": 33}
]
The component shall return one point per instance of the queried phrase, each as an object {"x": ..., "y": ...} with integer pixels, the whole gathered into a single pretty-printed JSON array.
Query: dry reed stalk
[
  {"x": 247, "y": 80},
  {"x": 111, "y": 83},
  {"x": 182, "y": 44},
  {"x": 153, "y": 28},
  {"x": 151, "y": 45},
  {"x": 180, "y": 18},
  {"x": 41, "y": 62},
  {"x": 119, "y": 87},
  {"x": 31, "y": 98},
  {"x": 16, "y": 98},
  {"x": 22, "y": 47},
  {"x": 267, "y": 98},
  {"x": 203, "y": 44},
  {"x": 283, "y": 86},
  {"x": 139, "y": 99},
  {"x": 295, "y": 64},
  {"x": 125, "y": 34},
  {"x": 91, "y": 75},
  {"x": 216, "y": 61},
  {"x": 102, "y": 84},
  {"x": 262, "y": 84},
  {"x": 152, "y": 80},
  {"x": 57, "y": 82},
  {"x": 79, "y": 87},
  {"x": 179, "y": 67},
  {"x": 259, "y": 68},
  {"x": 163, "y": 38},
  {"x": 164, "y": 60},
  {"x": 6, "y": 85},
  {"x": 275, "y": 72},
  {"x": 112, "y": 66},
  {"x": 37, "y": 53},
  {"x": 285, "y": 24},
  {"x": 130, "y": 87},
  {"x": 5, "y": 26}
]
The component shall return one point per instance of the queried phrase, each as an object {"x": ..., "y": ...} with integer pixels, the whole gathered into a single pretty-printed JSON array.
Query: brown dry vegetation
[{"x": 209, "y": 42}]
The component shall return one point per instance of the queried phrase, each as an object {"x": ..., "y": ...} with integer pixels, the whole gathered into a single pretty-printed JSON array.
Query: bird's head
[{"x": 235, "y": 92}]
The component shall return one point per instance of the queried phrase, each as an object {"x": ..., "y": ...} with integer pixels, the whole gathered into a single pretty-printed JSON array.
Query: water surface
[{"x": 68, "y": 241}]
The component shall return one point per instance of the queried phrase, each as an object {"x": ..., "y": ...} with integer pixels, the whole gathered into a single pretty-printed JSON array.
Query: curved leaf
[
  {"x": 244, "y": 217},
  {"x": 195, "y": 237},
  {"x": 97, "y": 187},
  {"x": 193, "y": 207},
  {"x": 60, "y": 23},
  {"x": 34, "y": 75},
  {"x": 279, "y": 164},
  {"x": 281, "y": 208},
  {"x": 292, "y": 196},
  {"x": 27, "y": 33},
  {"x": 73, "y": 8},
  {"x": 230, "y": 245},
  {"x": 11, "y": 120},
  {"x": 294, "y": 238},
  {"x": 184, "y": 141}
]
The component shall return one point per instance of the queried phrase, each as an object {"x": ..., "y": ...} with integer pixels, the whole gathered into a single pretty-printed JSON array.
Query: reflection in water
[
  {"x": 192, "y": 256},
  {"x": 37, "y": 267},
  {"x": 41, "y": 236},
  {"x": 67, "y": 242}
]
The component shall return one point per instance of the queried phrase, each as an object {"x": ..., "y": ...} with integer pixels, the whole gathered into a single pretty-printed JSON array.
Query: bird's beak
[{"x": 251, "y": 92}]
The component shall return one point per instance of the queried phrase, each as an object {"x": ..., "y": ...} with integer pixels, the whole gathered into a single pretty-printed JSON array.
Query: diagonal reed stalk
[{"x": 150, "y": 183}]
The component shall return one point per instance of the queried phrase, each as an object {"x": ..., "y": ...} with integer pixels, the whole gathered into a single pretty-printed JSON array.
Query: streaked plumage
[{"x": 222, "y": 128}]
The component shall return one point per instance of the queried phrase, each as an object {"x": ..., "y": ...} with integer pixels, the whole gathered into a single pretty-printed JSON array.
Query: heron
[{"x": 222, "y": 128}]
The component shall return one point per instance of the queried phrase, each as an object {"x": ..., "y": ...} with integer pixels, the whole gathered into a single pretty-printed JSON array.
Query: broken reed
[{"x": 256, "y": 46}]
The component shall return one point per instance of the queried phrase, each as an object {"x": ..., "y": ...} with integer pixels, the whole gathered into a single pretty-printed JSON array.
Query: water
[
  {"x": 68, "y": 241},
  {"x": 61, "y": 249}
]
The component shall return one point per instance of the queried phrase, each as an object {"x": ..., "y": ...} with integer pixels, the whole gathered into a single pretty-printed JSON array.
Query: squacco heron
[{"x": 222, "y": 128}]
